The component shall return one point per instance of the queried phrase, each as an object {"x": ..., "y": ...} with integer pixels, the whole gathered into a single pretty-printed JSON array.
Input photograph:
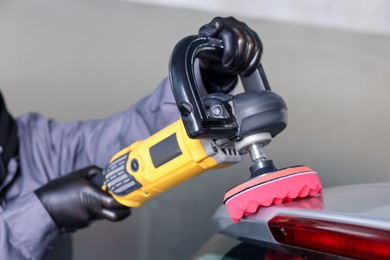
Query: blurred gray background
[{"x": 74, "y": 60}]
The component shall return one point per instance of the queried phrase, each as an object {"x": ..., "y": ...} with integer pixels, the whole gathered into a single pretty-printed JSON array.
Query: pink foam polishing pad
[{"x": 270, "y": 189}]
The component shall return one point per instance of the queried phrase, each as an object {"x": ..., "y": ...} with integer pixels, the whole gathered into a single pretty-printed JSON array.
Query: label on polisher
[{"x": 117, "y": 179}]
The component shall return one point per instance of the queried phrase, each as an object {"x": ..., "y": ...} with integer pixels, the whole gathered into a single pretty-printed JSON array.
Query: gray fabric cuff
[{"x": 32, "y": 228}]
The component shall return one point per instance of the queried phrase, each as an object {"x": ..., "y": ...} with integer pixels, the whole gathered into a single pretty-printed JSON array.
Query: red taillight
[{"x": 331, "y": 237}]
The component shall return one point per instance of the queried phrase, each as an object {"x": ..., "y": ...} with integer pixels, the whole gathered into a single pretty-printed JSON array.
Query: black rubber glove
[
  {"x": 241, "y": 56},
  {"x": 73, "y": 201}
]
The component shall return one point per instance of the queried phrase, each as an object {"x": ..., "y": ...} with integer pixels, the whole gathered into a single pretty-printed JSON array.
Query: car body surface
[{"x": 344, "y": 222}]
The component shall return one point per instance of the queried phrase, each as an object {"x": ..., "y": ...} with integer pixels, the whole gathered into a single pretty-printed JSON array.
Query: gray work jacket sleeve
[
  {"x": 26, "y": 229},
  {"x": 56, "y": 148},
  {"x": 49, "y": 148}
]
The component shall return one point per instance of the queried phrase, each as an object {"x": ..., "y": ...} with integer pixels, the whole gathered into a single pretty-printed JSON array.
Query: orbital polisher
[{"x": 214, "y": 131}]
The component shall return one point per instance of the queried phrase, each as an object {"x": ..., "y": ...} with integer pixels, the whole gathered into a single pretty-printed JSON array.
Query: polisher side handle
[{"x": 198, "y": 123}]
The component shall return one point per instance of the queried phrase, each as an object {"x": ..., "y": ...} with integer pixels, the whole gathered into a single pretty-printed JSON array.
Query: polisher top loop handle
[{"x": 185, "y": 88}]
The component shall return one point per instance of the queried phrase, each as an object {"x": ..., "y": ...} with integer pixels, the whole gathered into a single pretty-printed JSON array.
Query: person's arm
[{"x": 49, "y": 148}]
